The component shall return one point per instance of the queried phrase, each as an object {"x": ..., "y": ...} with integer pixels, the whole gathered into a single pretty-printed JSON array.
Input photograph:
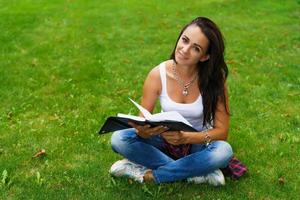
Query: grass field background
[{"x": 67, "y": 65}]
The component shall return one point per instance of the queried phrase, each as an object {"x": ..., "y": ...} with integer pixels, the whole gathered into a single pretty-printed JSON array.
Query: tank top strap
[{"x": 163, "y": 76}]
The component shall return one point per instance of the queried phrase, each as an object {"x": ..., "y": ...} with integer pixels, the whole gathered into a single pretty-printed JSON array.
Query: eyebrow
[{"x": 198, "y": 45}]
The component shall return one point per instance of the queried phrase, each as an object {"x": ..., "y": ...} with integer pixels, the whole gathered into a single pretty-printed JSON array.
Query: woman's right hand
[{"x": 147, "y": 131}]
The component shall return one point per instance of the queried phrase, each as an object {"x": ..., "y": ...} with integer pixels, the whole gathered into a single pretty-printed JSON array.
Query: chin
[{"x": 179, "y": 59}]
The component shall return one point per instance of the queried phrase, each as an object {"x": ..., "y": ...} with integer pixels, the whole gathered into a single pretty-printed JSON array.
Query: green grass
[{"x": 67, "y": 65}]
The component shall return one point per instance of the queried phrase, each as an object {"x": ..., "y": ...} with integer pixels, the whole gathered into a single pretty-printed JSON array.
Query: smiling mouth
[{"x": 182, "y": 56}]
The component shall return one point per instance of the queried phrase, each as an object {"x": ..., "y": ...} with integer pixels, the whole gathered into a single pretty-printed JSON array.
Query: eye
[
  {"x": 197, "y": 49},
  {"x": 185, "y": 40}
]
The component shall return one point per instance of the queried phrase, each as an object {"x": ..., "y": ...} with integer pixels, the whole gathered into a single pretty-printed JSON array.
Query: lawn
[{"x": 67, "y": 65}]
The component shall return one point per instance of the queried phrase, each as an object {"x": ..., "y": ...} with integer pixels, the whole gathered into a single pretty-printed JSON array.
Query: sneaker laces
[{"x": 128, "y": 169}]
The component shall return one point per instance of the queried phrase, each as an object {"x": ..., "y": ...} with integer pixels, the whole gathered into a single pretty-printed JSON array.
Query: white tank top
[{"x": 192, "y": 112}]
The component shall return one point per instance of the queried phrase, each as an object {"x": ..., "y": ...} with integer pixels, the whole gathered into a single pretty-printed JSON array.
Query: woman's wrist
[
  {"x": 196, "y": 137},
  {"x": 188, "y": 137},
  {"x": 207, "y": 138}
]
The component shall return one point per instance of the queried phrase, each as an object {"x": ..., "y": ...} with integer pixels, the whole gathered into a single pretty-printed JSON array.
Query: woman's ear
[{"x": 204, "y": 58}]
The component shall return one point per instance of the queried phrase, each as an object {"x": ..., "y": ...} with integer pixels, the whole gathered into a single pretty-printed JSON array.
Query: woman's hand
[
  {"x": 146, "y": 131},
  {"x": 175, "y": 137}
]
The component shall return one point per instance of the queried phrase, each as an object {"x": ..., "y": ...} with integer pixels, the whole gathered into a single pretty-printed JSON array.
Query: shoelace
[{"x": 133, "y": 170}]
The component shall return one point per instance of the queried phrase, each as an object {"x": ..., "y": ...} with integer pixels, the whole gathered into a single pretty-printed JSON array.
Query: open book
[{"x": 173, "y": 120}]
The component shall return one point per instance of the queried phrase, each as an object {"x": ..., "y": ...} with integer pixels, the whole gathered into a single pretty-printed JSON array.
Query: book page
[
  {"x": 163, "y": 116},
  {"x": 131, "y": 117},
  {"x": 172, "y": 115},
  {"x": 144, "y": 111}
]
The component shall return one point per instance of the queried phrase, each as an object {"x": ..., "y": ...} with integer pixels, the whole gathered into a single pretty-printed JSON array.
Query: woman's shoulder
[
  {"x": 155, "y": 72},
  {"x": 153, "y": 77}
]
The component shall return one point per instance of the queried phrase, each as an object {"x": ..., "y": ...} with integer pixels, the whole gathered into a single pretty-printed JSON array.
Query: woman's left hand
[{"x": 175, "y": 137}]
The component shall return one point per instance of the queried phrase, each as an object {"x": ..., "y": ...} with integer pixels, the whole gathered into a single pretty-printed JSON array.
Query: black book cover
[{"x": 118, "y": 123}]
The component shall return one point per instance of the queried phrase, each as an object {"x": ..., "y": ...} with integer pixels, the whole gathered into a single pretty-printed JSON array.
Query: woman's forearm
[{"x": 203, "y": 137}]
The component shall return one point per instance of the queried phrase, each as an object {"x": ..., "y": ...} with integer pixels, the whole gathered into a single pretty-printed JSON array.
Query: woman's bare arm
[{"x": 151, "y": 89}]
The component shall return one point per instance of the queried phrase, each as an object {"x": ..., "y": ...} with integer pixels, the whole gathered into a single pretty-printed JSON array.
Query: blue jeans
[{"x": 151, "y": 154}]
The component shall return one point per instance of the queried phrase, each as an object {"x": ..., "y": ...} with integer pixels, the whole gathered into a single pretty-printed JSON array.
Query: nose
[{"x": 185, "y": 49}]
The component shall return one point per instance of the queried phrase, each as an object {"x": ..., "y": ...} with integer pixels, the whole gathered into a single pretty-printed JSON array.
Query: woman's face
[{"x": 192, "y": 46}]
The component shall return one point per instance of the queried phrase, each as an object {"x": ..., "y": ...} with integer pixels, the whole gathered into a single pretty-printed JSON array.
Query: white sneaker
[
  {"x": 126, "y": 168},
  {"x": 215, "y": 178}
]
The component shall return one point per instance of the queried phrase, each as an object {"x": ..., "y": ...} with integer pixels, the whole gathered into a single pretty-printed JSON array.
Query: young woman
[{"x": 192, "y": 82}]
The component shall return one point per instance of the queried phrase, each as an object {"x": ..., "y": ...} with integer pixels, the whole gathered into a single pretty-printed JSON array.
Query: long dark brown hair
[{"x": 213, "y": 72}]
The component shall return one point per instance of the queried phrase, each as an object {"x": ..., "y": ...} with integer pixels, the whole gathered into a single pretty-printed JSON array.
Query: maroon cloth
[
  {"x": 177, "y": 151},
  {"x": 235, "y": 168}
]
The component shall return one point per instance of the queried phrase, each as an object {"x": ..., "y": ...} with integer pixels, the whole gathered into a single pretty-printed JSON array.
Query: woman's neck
[{"x": 186, "y": 71}]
